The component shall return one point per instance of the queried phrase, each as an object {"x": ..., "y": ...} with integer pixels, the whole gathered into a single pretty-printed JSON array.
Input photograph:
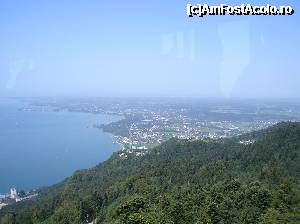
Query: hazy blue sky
[{"x": 145, "y": 48}]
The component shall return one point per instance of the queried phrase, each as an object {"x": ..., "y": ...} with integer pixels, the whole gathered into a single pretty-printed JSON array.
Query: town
[
  {"x": 14, "y": 197},
  {"x": 146, "y": 123}
]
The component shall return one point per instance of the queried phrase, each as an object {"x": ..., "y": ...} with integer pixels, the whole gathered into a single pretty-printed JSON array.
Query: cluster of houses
[
  {"x": 14, "y": 197},
  {"x": 10, "y": 198}
]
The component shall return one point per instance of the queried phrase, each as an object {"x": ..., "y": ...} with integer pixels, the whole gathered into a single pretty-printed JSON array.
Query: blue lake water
[{"x": 42, "y": 148}]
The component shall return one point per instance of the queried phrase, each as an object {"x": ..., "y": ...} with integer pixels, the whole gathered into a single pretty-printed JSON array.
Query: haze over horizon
[{"x": 150, "y": 49}]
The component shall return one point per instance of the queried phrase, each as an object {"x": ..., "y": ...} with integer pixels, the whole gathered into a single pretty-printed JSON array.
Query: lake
[{"x": 42, "y": 148}]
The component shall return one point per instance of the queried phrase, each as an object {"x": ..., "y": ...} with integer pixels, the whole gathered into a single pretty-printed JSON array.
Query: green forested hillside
[{"x": 181, "y": 181}]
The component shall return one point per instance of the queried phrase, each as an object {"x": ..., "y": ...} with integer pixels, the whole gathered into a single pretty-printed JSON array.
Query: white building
[
  {"x": 2, "y": 205},
  {"x": 13, "y": 193}
]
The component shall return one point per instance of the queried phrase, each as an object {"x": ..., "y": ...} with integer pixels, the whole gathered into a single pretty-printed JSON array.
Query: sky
[{"x": 146, "y": 48}]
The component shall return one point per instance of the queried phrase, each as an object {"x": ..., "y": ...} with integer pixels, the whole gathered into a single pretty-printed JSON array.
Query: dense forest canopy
[{"x": 248, "y": 179}]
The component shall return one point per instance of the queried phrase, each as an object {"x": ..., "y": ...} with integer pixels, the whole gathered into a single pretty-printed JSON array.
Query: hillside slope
[{"x": 182, "y": 181}]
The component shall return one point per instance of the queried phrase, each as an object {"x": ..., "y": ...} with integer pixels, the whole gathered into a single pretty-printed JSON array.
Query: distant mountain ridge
[{"x": 181, "y": 181}]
